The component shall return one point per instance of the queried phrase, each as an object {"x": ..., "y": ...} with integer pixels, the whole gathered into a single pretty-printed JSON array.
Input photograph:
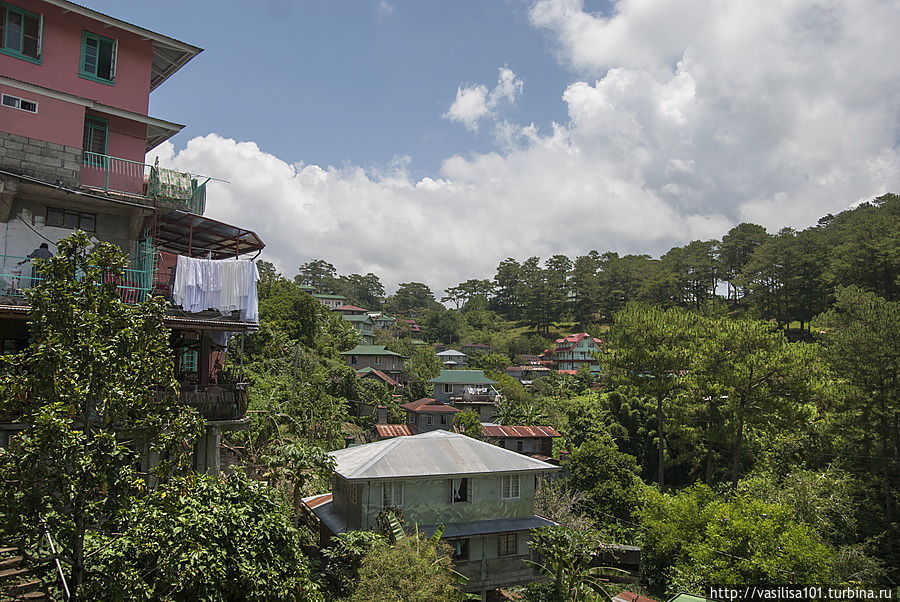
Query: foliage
[
  {"x": 344, "y": 556},
  {"x": 95, "y": 385},
  {"x": 422, "y": 366},
  {"x": 566, "y": 557},
  {"x": 607, "y": 476},
  {"x": 468, "y": 423},
  {"x": 414, "y": 568},
  {"x": 695, "y": 538},
  {"x": 202, "y": 538},
  {"x": 297, "y": 469}
]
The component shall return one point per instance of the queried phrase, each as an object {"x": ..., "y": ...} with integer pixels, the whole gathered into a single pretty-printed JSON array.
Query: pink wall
[
  {"x": 56, "y": 121},
  {"x": 62, "y": 52}
]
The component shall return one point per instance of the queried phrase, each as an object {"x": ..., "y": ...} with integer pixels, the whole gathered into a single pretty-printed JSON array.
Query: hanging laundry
[{"x": 224, "y": 285}]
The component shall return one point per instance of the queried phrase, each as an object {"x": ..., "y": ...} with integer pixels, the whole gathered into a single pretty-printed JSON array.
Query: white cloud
[
  {"x": 474, "y": 103},
  {"x": 384, "y": 9},
  {"x": 690, "y": 118}
]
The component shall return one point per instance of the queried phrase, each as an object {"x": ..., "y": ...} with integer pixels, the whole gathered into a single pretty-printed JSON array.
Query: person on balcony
[{"x": 42, "y": 252}]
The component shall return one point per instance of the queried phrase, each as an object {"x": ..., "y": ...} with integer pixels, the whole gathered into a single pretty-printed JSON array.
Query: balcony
[
  {"x": 492, "y": 573},
  {"x": 217, "y": 402},
  {"x": 19, "y": 274},
  {"x": 164, "y": 187},
  {"x": 476, "y": 395}
]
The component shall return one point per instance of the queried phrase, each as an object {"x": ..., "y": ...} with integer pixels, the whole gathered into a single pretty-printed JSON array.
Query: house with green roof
[
  {"x": 365, "y": 325},
  {"x": 467, "y": 390},
  {"x": 331, "y": 301},
  {"x": 377, "y": 357}
]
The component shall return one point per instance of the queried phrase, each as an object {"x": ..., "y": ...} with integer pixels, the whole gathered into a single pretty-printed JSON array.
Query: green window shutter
[{"x": 98, "y": 58}]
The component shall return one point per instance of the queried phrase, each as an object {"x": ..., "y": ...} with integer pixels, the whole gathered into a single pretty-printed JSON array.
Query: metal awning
[
  {"x": 487, "y": 527},
  {"x": 193, "y": 235}
]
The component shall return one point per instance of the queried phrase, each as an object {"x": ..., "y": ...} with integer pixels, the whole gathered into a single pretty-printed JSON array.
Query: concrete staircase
[{"x": 17, "y": 581}]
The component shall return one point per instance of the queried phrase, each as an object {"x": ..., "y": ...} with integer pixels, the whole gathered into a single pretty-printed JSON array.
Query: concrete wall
[
  {"x": 47, "y": 161},
  {"x": 427, "y": 501},
  {"x": 385, "y": 363},
  {"x": 61, "y": 57},
  {"x": 19, "y": 240},
  {"x": 421, "y": 420}
]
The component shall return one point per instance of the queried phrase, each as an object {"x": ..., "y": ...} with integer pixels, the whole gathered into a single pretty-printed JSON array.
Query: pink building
[{"x": 75, "y": 89}]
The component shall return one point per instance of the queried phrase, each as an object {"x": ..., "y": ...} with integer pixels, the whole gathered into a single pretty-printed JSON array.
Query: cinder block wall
[{"x": 46, "y": 161}]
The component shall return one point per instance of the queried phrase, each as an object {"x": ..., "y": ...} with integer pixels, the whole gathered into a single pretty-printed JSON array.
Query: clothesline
[{"x": 225, "y": 285}]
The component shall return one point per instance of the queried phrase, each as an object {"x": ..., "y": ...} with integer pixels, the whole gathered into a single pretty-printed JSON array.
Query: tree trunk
[
  {"x": 738, "y": 451},
  {"x": 662, "y": 444}
]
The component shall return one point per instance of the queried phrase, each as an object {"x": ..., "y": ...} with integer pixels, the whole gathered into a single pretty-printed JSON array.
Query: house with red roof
[
  {"x": 428, "y": 414},
  {"x": 576, "y": 350},
  {"x": 534, "y": 441}
]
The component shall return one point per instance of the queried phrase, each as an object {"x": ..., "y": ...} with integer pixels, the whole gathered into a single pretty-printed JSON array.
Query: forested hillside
[{"x": 746, "y": 427}]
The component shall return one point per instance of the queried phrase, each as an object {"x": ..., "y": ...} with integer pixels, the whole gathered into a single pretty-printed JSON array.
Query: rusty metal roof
[
  {"x": 395, "y": 430},
  {"x": 193, "y": 235},
  {"x": 427, "y": 404},
  {"x": 520, "y": 432}
]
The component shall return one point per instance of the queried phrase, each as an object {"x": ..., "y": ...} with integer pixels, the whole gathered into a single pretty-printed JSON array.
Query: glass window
[
  {"x": 459, "y": 490},
  {"x": 66, "y": 218},
  {"x": 392, "y": 494},
  {"x": 20, "y": 32},
  {"x": 519, "y": 445},
  {"x": 448, "y": 388},
  {"x": 460, "y": 549},
  {"x": 509, "y": 489},
  {"x": 507, "y": 544},
  {"x": 429, "y": 419},
  {"x": 443, "y": 419},
  {"x": 96, "y": 133},
  {"x": 98, "y": 57}
]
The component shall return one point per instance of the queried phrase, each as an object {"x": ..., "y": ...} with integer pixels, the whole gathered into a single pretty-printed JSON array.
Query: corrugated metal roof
[
  {"x": 378, "y": 373},
  {"x": 451, "y": 352},
  {"x": 431, "y": 454},
  {"x": 484, "y": 527},
  {"x": 395, "y": 430},
  {"x": 371, "y": 350},
  {"x": 521, "y": 432},
  {"x": 427, "y": 404},
  {"x": 325, "y": 511},
  {"x": 463, "y": 377}
]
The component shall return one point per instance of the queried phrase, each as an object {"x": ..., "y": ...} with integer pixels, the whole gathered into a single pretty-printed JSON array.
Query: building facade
[
  {"x": 377, "y": 357},
  {"x": 483, "y": 496},
  {"x": 575, "y": 351},
  {"x": 467, "y": 390},
  {"x": 75, "y": 132}
]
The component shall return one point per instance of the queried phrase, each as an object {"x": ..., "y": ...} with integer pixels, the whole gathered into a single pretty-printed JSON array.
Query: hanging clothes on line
[{"x": 224, "y": 285}]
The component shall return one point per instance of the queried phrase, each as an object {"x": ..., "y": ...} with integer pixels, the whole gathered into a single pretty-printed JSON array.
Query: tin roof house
[{"x": 482, "y": 494}]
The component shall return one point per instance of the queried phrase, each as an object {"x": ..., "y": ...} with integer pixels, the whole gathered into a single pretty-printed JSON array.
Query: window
[
  {"x": 443, "y": 419},
  {"x": 459, "y": 490},
  {"x": 20, "y": 33},
  {"x": 392, "y": 494},
  {"x": 377, "y": 360},
  {"x": 22, "y": 104},
  {"x": 429, "y": 419},
  {"x": 66, "y": 218},
  {"x": 519, "y": 445},
  {"x": 96, "y": 134},
  {"x": 509, "y": 489},
  {"x": 507, "y": 544},
  {"x": 411, "y": 418},
  {"x": 353, "y": 360},
  {"x": 460, "y": 549},
  {"x": 98, "y": 58},
  {"x": 448, "y": 388},
  {"x": 188, "y": 361}
]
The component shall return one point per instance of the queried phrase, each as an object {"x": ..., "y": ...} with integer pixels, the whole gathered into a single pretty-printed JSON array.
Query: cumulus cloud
[
  {"x": 684, "y": 118},
  {"x": 474, "y": 103}
]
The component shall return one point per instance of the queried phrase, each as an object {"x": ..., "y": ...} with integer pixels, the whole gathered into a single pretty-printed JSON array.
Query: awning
[
  {"x": 487, "y": 527},
  {"x": 193, "y": 235}
]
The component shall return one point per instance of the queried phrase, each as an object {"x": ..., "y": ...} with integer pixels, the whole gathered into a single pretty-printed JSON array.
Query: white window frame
[
  {"x": 507, "y": 490},
  {"x": 392, "y": 494},
  {"x": 448, "y": 388},
  {"x": 18, "y": 103}
]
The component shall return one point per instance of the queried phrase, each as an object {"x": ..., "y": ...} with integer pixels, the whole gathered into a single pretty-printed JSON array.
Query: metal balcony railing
[
  {"x": 18, "y": 274},
  {"x": 217, "y": 402},
  {"x": 142, "y": 180}
]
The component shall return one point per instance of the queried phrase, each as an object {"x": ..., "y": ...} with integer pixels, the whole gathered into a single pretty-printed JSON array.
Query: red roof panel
[
  {"x": 521, "y": 432},
  {"x": 395, "y": 430}
]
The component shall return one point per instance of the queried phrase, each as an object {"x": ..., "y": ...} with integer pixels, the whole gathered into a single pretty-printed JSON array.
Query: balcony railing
[
  {"x": 18, "y": 274},
  {"x": 217, "y": 402},
  {"x": 142, "y": 180}
]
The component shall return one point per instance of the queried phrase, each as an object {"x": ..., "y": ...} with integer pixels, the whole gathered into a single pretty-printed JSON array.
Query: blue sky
[
  {"x": 338, "y": 82},
  {"x": 428, "y": 141}
]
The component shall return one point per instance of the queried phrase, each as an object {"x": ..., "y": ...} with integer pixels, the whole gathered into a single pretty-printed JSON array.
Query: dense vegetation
[{"x": 746, "y": 427}]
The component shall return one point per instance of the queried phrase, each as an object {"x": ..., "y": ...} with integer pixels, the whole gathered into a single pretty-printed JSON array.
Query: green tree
[
  {"x": 422, "y": 366},
  {"x": 415, "y": 568},
  {"x": 95, "y": 383},
  {"x": 585, "y": 283},
  {"x": 861, "y": 338},
  {"x": 507, "y": 289},
  {"x": 607, "y": 476},
  {"x": 735, "y": 251},
  {"x": 344, "y": 556},
  {"x": 468, "y": 423},
  {"x": 363, "y": 291},
  {"x": 694, "y": 538},
  {"x": 319, "y": 274},
  {"x": 202, "y": 538},
  {"x": 411, "y": 298},
  {"x": 567, "y": 558}
]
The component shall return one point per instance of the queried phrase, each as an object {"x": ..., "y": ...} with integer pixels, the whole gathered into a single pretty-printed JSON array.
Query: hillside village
[{"x": 183, "y": 419}]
